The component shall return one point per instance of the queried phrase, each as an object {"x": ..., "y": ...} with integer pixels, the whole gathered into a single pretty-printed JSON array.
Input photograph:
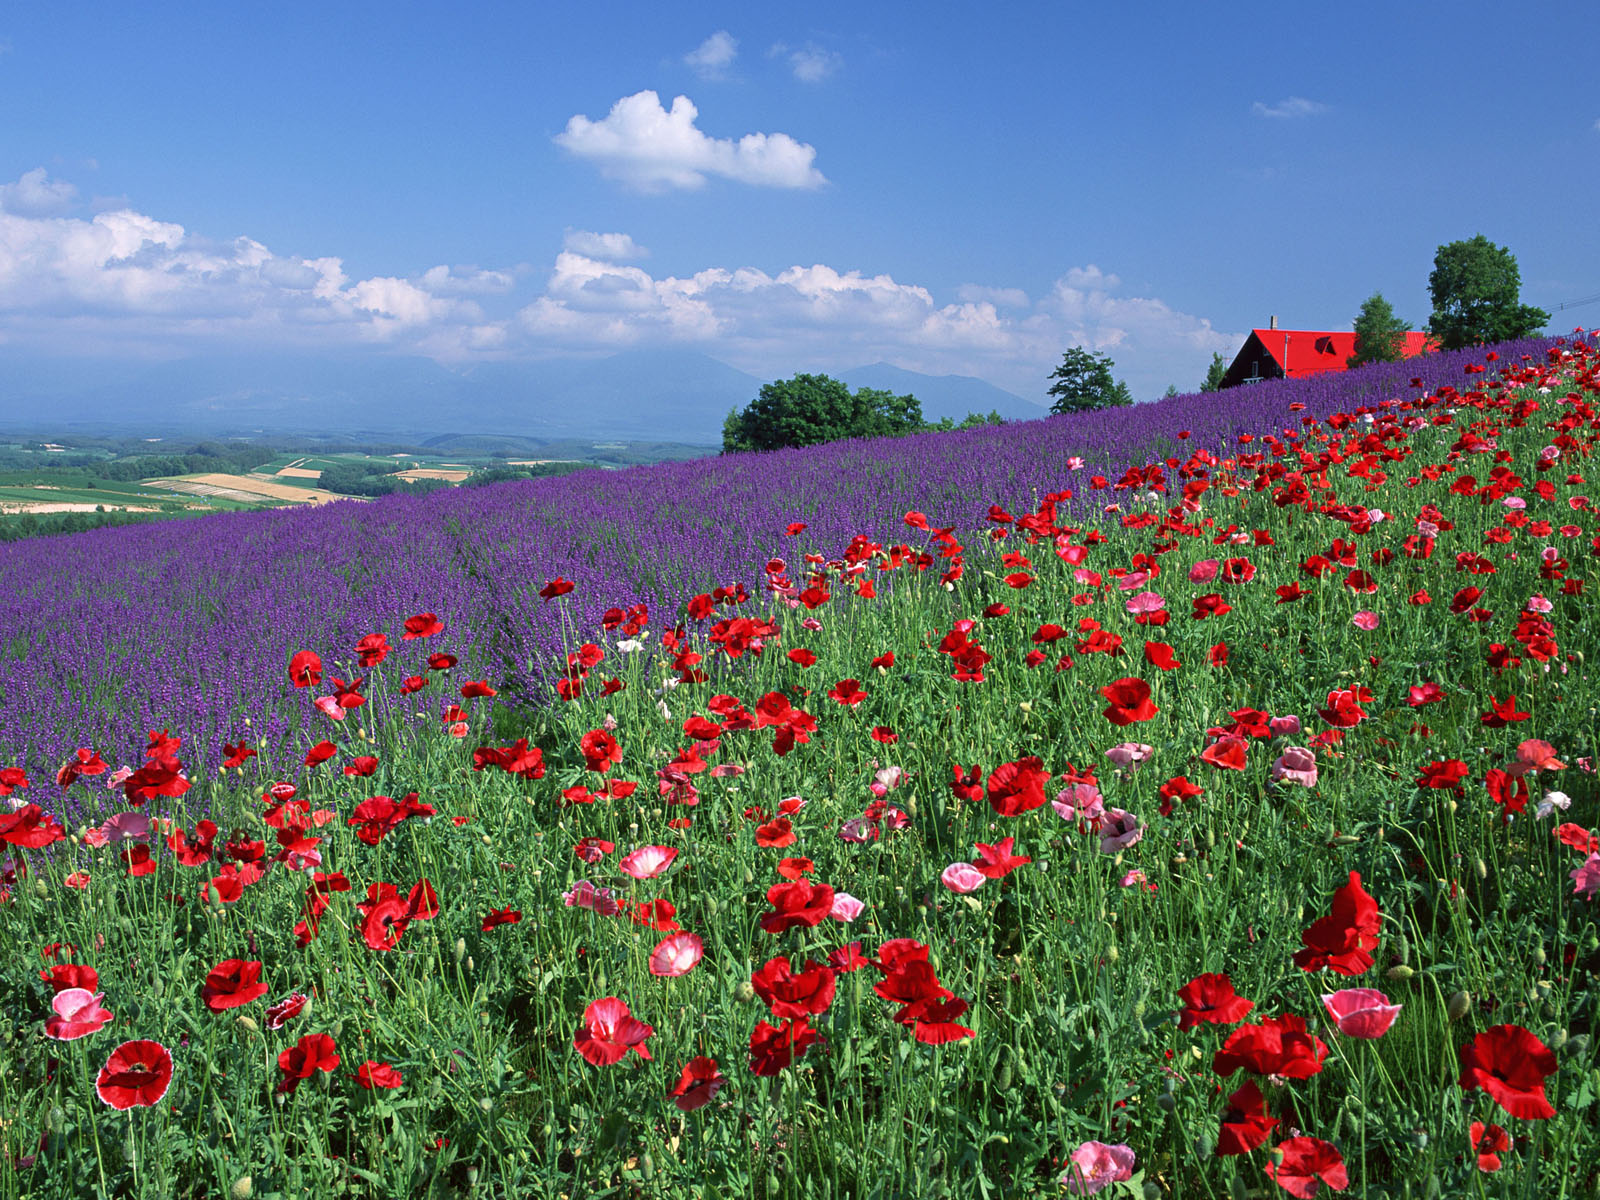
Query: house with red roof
[{"x": 1274, "y": 353}]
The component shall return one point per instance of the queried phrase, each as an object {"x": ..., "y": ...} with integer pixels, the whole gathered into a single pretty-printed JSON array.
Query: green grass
[{"x": 1071, "y": 968}]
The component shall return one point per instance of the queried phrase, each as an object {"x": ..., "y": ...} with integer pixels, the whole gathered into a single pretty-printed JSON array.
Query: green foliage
[
  {"x": 535, "y": 471},
  {"x": 1214, "y": 373},
  {"x": 1380, "y": 335},
  {"x": 374, "y": 479},
  {"x": 1083, "y": 381},
  {"x": 811, "y": 409},
  {"x": 971, "y": 421},
  {"x": 1475, "y": 287}
]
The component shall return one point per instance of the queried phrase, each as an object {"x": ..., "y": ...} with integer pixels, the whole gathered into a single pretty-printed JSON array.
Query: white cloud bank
[
  {"x": 123, "y": 282},
  {"x": 1290, "y": 108},
  {"x": 650, "y": 148}
]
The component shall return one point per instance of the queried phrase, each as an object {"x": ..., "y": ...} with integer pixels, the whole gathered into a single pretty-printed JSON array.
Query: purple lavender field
[{"x": 190, "y": 625}]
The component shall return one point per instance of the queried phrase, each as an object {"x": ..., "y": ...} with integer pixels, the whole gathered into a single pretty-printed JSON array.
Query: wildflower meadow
[{"x": 1195, "y": 800}]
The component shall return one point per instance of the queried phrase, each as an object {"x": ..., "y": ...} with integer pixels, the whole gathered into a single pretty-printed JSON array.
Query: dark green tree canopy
[
  {"x": 810, "y": 409},
  {"x": 1083, "y": 381},
  {"x": 1215, "y": 373},
  {"x": 1380, "y": 335},
  {"x": 1475, "y": 287}
]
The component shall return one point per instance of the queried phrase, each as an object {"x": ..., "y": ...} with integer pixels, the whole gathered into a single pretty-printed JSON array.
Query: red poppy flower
[
  {"x": 235, "y": 755},
  {"x": 776, "y": 833},
  {"x": 76, "y": 1013},
  {"x": 305, "y": 669},
  {"x": 30, "y": 828},
  {"x": 1343, "y": 941},
  {"x": 997, "y": 861},
  {"x": 71, "y": 975},
  {"x": 231, "y": 983},
  {"x": 609, "y": 1031},
  {"x": 285, "y": 1010},
  {"x": 375, "y": 817},
  {"x": 885, "y": 735},
  {"x": 1130, "y": 701},
  {"x": 1246, "y": 1123},
  {"x": 789, "y": 994},
  {"x": 361, "y": 766},
  {"x": 1177, "y": 788},
  {"x": 1306, "y": 1164},
  {"x": 1017, "y": 787},
  {"x": 556, "y": 587},
  {"x": 1511, "y": 1065},
  {"x": 968, "y": 784},
  {"x": 773, "y": 1048},
  {"x": 312, "y": 1053},
  {"x": 1211, "y": 999},
  {"x": 1489, "y": 1142},
  {"x": 377, "y": 1075},
  {"x": 84, "y": 762},
  {"x": 158, "y": 777},
  {"x": 848, "y": 692},
  {"x": 698, "y": 1084},
  {"x": 1277, "y": 1046},
  {"x": 422, "y": 625},
  {"x": 593, "y": 849},
  {"x": 797, "y": 903},
  {"x": 1211, "y": 605},
  {"x": 1441, "y": 775},
  {"x": 137, "y": 1074},
  {"x": 1159, "y": 654},
  {"x": 1228, "y": 753}
]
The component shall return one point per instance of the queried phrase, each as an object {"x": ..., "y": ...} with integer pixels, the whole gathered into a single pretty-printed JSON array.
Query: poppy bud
[
  {"x": 745, "y": 992},
  {"x": 58, "y": 1119},
  {"x": 1400, "y": 972},
  {"x": 247, "y": 1023},
  {"x": 1002, "y": 1071},
  {"x": 472, "y": 966},
  {"x": 1460, "y": 1005},
  {"x": 41, "y": 889},
  {"x": 1402, "y": 949},
  {"x": 1559, "y": 1040},
  {"x": 1345, "y": 839},
  {"x": 1238, "y": 1189},
  {"x": 1431, "y": 1190},
  {"x": 1538, "y": 956},
  {"x": 1481, "y": 867},
  {"x": 486, "y": 1104},
  {"x": 460, "y": 950},
  {"x": 1203, "y": 1146},
  {"x": 1167, "y": 1101},
  {"x": 1113, "y": 953}
]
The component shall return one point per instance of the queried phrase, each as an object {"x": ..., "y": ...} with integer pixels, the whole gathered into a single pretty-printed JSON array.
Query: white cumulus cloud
[
  {"x": 712, "y": 57},
  {"x": 813, "y": 64},
  {"x": 652, "y": 148},
  {"x": 37, "y": 195},
  {"x": 1293, "y": 106},
  {"x": 614, "y": 247},
  {"x": 1000, "y": 297}
]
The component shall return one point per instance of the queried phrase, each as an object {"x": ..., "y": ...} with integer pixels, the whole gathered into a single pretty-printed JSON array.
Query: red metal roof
[{"x": 1302, "y": 352}]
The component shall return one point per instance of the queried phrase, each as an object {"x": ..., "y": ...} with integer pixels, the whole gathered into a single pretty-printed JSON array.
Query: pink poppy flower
[
  {"x": 609, "y": 1031},
  {"x": 78, "y": 1013},
  {"x": 585, "y": 895},
  {"x": 285, "y": 1010},
  {"x": 1286, "y": 726},
  {"x": 1119, "y": 831},
  {"x": 1146, "y": 602},
  {"x": 963, "y": 878},
  {"x": 1365, "y": 619},
  {"x": 1203, "y": 571},
  {"x": 1133, "y": 877},
  {"x": 1080, "y": 802},
  {"x": 647, "y": 861},
  {"x": 1297, "y": 764},
  {"x": 1361, "y": 1012},
  {"x": 330, "y": 708},
  {"x": 126, "y": 827},
  {"x": 1126, "y": 754},
  {"x": 846, "y": 908},
  {"x": 1586, "y": 878},
  {"x": 78, "y": 879},
  {"x": 676, "y": 954},
  {"x": 1094, "y": 1166}
]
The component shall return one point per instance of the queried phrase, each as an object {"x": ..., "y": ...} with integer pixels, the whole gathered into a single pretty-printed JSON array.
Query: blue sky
[{"x": 952, "y": 188}]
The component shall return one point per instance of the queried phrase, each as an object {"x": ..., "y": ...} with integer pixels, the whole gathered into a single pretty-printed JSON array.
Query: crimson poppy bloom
[
  {"x": 372, "y": 1074},
  {"x": 698, "y": 1084},
  {"x": 71, "y": 975},
  {"x": 30, "y": 828},
  {"x": 285, "y": 1010},
  {"x": 997, "y": 861},
  {"x": 1227, "y": 753},
  {"x": 1489, "y": 1142},
  {"x": 305, "y": 669},
  {"x": 1510, "y": 1064},
  {"x": 848, "y": 692},
  {"x": 600, "y": 750},
  {"x": 1130, "y": 701},
  {"x": 1306, "y": 1164},
  {"x": 137, "y": 1074},
  {"x": 1159, "y": 655},
  {"x": 420, "y": 626},
  {"x": 1343, "y": 940},
  {"x": 791, "y": 994},
  {"x": 372, "y": 649},
  {"x": 231, "y": 983},
  {"x": 1014, "y": 787},
  {"x": 1211, "y": 999},
  {"x": 500, "y": 916},
  {"x": 556, "y": 587},
  {"x": 1246, "y": 1123},
  {"x": 312, "y": 1053},
  {"x": 361, "y": 766},
  {"x": 1277, "y": 1046},
  {"x": 609, "y": 1031},
  {"x": 774, "y": 1047},
  {"x": 797, "y": 903}
]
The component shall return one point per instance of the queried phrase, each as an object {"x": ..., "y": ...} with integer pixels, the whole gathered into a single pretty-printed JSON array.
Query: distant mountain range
[{"x": 667, "y": 395}]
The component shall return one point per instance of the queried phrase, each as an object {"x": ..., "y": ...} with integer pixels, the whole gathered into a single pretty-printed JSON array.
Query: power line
[{"x": 1565, "y": 304}]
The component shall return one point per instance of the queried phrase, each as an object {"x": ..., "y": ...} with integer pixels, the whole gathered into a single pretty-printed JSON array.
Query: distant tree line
[
  {"x": 509, "y": 474},
  {"x": 374, "y": 479},
  {"x": 15, "y": 527},
  {"x": 811, "y": 409}
]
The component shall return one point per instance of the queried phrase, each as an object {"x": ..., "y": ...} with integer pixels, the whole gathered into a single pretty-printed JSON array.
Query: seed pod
[
  {"x": 1002, "y": 1070},
  {"x": 1402, "y": 949},
  {"x": 745, "y": 992},
  {"x": 1481, "y": 867},
  {"x": 1538, "y": 956},
  {"x": 242, "y": 1188},
  {"x": 1400, "y": 972},
  {"x": 247, "y": 1023},
  {"x": 1460, "y": 1005}
]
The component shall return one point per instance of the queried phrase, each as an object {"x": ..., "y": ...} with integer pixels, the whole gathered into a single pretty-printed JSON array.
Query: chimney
[{"x": 1272, "y": 322}]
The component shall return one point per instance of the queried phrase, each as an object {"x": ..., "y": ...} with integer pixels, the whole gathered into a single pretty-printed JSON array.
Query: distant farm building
[{"x": 1274, "y": 353}]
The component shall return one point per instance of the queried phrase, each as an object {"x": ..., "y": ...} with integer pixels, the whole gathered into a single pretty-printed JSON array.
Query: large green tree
[
  {"x": 1380, "y": 335},
  {"x": 1475, "y": 286},
  {"x": 811, "y": 409},
  {"x": 1214, "y": 373},
  {"x": 1083, "y": 381}
]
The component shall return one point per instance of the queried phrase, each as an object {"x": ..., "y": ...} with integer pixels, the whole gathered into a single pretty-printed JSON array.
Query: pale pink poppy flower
[
  {"x": 330, "y": 708},
  {"x": 1204, "y": 571},
  {"x": 1287, "y": 726},
  {"x": 1095, "y": 1166},
  {"x": 585, "y": 895},
  {"x": 78, "y": 1013},
  {"x": 1086, "y": 577},
  {"x": 726, "y": 771},
  {"x": 889, "y": 777},
  {"x": 78, "y": 879},
  {"x": 1534, "y": 755},
  {"x": 1130, "y": 754},
  {"x": 126, "y": 827},
  {"x": 1361, "y": 1012},
  {"x": 118, "y": 777},
  {"x": 877, "y": 789},
  {"x": 811, "y": 623},
  {"x": 846, "y": 908},
  {"x": 1081, "y": 801},
  {"x": 96, "y": 839},
  {"x": 1550, "y": 803},
  {"x": 963, "y": 878},
  {"x": 1074, "y": 463},
  {"x": 458, "y": 730},
  {"x": 676, "y": 954},
  {"x": 1119, "y": 831},
  {"x": 1132, "y": 877},
  {"x": 1146, "y": 602},
  {"x": 1514, "y": 503},
  {"x": 1132, "y": 580},
  {"x": 1586, "y": 878},
  {"x": 1297, "y": 764},
  {"x": 647, "y": 861},
  {"x": 1538, "y": 604},
  {"x": 1427, "y": 529},
  {"x": 1365, "y": 619},
  {"x": 858, "y": 830}
]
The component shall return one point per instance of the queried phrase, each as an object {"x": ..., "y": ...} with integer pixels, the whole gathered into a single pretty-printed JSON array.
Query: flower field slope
[{"x": 943, "y": 817}]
